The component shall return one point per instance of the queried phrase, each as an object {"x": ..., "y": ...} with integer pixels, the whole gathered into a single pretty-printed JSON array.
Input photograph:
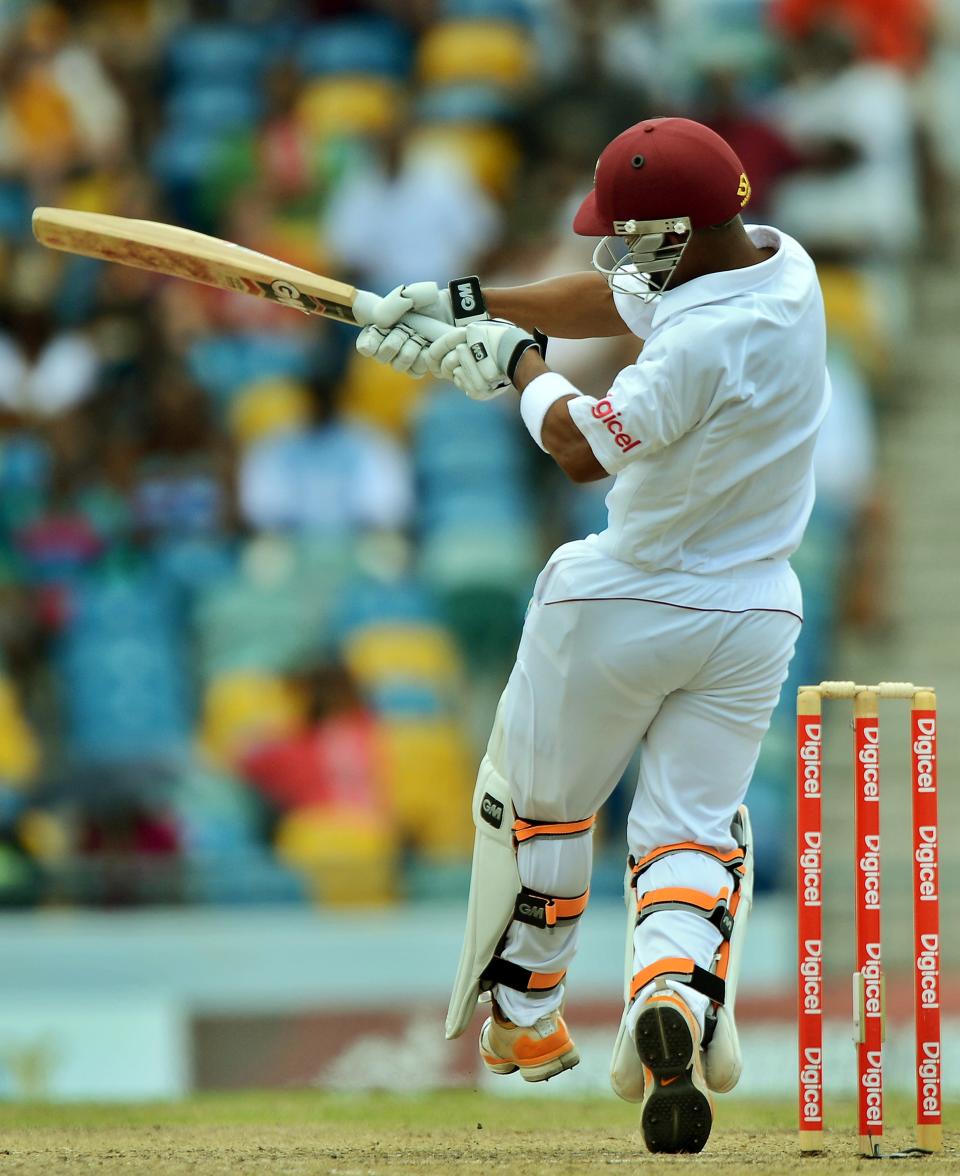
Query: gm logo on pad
[{"x": 491, "y": 810}]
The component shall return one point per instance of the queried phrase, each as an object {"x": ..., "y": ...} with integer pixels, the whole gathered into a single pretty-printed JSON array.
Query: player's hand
[
  {"x": 387, "y": 339},
  {"x": 399, "y": 347},
  {"x": 461, "y": 303},
  {"x": 481, "y": 359},
  {"x": 422, "y": 297}
]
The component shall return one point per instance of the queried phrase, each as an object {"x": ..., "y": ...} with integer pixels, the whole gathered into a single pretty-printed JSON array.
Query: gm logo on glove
[{"x": 466, "y": 300}]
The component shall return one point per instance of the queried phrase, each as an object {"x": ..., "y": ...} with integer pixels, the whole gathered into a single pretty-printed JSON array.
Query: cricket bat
[{"x": 182, "y": 253}]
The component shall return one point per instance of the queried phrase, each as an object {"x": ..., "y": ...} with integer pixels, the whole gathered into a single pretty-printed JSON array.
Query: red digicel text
[{"x": 603, "y": 411}]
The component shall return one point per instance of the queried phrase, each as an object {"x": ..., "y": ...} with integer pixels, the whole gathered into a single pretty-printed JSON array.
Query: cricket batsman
[{"x": 671, "y": 630}]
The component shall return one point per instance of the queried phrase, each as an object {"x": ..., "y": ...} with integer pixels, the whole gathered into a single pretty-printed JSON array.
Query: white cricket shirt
[{"x": 711, "y": 432}]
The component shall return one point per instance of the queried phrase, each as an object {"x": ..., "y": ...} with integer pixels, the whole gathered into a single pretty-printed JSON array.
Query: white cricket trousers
[{"x": 606, "y": 663}]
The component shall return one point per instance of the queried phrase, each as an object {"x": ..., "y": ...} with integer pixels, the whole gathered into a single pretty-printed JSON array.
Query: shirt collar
[{"x": 725, "y": 284}]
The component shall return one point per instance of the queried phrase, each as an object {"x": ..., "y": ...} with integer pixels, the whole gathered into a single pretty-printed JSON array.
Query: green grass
[
  {"x": 299, "y": 1132},
  {"x": 438, "y": 1109}
]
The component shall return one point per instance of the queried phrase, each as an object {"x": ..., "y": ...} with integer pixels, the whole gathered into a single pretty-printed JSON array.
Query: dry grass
[{"x": 299, "y": 1133}]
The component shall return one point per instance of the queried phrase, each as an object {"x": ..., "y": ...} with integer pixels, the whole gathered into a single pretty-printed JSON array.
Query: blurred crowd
[{"x": 258, "y": 595}]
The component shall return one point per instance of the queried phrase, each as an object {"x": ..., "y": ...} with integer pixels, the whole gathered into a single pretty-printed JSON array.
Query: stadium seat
[
  {"x": 358, "y": 45},
  {"x": 503, "y": 509},
  {"x": 379, "y": 396},
  {"x": 483, "y": 576},
  {"x": 126, "y": 700},
  {"x": 478, "y": 550},
  {"x": 584, "y": 507},
  {"x": 216, "y": 53},
  {"x": 19, "y": 748},
  {"x": 214, "y": 107},
  {"x": 193, "y": 563},
  {"x": 458, "y": 444},
  {"x": 465, "y": 453},
  {"x": 466, "y": 102},
  {"x": 14, "y": 209},
  {"x": 483, "y": 555},
  {"x": 57, "y": 548},
  {"x": 462, "y": 461},
  {"x": 488, "y": 152},
  {"x": 242, "y": 709},
  {"x": 122, "y": 660},
  {"x": 221, "y": 364},
  {"x": 819, "y": 564},
  {"x": 401, "y": 651},
  {"x": 430, "y": 776},
  {"x": 383, "y": 654},
  {"x": 399, "y": 699},
  {"x": 216, "y": 813},
  {"x": 324, "y": 563},
  {"x": 248, "y": 876},
  {"x": 345, "y": 106},
  {"x": 447, "y": 406},
  {"x": 475, "y": 50},
  {"x": 268, "y": 405},
  {"x": 518, "y": 12},
  {"x": 347, "y": 858},
  {"x": 45, "y": 834},
  {"x": 368, "y": 599},
  {"x": 486, "y": 620},
  {"x": 854, "y": 315},
  {"x": 182, "y": 155},
  {"x": 441, "y": 881},
  {"x": 79, "y": 289},
  {"x": 25, "y": 468},
  {"x": 276, "y": 611}
]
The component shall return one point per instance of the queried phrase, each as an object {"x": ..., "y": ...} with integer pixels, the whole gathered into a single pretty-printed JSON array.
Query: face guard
[{"x": 638, "y": 250}]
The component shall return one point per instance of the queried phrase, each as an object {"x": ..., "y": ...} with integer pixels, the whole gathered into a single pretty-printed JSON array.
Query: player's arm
[
  {"x": 575, "y": 306},
  {"x": 486, "y": 358},
  {"x": 560, "y": 436},
  {"x": 648, "y": 406}
]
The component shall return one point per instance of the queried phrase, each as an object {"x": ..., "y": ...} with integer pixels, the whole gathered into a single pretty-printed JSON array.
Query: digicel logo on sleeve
[{"x": 603, "y": 411}]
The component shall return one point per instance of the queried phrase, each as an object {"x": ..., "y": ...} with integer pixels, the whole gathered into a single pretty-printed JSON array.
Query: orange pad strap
[
  {"x": 501, "y": 971},
  {"x": 723, "y": 955},
  {"x": 523, "y": 830},
  {"x": 716, "y": 909},
  {"x": 733, "y": 859},
  {"x": 543, "y": 981},
  {"x": 685, "y": 972},
  {"x": 542, "y": 910}
]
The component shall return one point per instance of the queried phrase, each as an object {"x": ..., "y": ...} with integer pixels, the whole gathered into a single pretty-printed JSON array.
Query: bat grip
[{"x": 430, "y": 329}]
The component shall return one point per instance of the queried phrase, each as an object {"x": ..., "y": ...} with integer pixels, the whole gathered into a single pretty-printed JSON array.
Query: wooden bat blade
[{"x": 183, "y": 253}]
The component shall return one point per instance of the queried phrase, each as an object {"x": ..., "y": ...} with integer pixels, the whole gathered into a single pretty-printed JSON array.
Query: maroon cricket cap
[{"x": 661, "y": 168}]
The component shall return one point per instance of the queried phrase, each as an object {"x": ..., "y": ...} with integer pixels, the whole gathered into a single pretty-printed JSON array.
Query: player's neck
[{"x": 712, "y": 251}]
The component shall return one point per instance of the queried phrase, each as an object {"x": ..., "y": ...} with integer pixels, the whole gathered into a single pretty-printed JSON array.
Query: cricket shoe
[
  {"x": 677, "y": 1109},
  {"x": 539, "y": 1051}
]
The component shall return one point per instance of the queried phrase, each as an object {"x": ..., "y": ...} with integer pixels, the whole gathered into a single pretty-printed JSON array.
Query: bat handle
[{"x": 430, "y": 329}]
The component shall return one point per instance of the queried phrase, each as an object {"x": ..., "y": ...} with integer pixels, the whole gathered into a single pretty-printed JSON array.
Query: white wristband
[{"x": 536, "y": 398}]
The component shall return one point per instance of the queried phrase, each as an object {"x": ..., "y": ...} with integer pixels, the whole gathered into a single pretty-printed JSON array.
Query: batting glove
[
  {"x": 461, "y": 303},
  {"x": 400, "y": 348},
  {"x": 481, "y": 359},
  {"x": 386, "y": 338}
]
